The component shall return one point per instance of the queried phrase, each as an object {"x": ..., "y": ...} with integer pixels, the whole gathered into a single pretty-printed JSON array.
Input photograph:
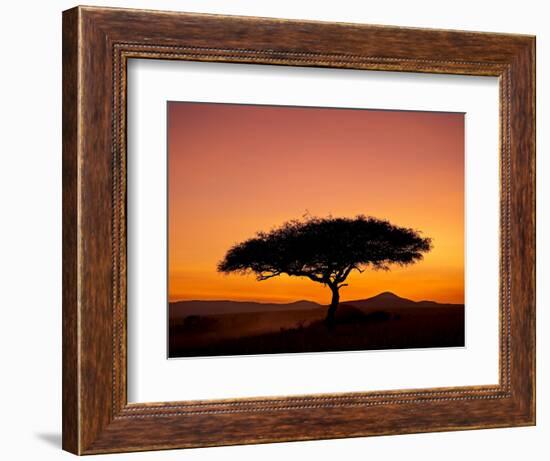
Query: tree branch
[
  {"x": 346, "y": 272},
  {"x": 262, "y": 277},
  {"x": 309, "y": 275}
]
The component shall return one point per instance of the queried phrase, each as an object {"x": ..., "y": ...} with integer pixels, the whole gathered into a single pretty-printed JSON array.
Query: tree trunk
[{"x": 331, "y": 312}]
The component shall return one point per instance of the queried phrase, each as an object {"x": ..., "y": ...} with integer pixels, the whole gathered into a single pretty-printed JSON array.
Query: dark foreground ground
[{"x": 386, "y": 321}]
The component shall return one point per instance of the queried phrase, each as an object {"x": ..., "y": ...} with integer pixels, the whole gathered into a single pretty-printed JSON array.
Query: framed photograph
[
  {"x": 281, "y": 230},
  {"x": 273, "y": 162}
]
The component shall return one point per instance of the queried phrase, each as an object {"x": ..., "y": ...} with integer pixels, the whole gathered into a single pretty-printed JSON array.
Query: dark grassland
[{"x": 383, "y": 322}]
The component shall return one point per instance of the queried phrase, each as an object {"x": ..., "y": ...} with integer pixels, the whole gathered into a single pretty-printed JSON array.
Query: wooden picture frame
[{"x": 97, "y": 43}]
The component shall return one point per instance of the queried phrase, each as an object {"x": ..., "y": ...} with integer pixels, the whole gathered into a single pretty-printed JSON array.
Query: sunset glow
[{"x": 234, "y": 170}]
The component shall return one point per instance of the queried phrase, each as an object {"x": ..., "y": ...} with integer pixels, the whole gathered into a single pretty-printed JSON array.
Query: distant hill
[
  {"x": 386, "y": 300},
  {"x": 185, "y": 308}
]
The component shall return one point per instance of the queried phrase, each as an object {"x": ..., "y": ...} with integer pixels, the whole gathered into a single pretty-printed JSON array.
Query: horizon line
[{"x": 310, "y": 301}]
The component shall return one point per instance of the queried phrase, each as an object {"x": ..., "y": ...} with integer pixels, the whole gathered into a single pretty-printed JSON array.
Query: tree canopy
[{"x": 326, "y": 250}]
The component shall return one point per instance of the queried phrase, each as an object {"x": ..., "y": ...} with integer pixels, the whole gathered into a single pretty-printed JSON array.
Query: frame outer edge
[
  {"x": 533, "y": 51},
  {"x": 522, "y": 190},
  {"x": 70, "y": 178},
  {"x": 529, "y": 69}
]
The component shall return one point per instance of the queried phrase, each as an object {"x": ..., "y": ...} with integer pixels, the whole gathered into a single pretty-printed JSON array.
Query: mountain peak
[
  {"x": 387, "y": 295},
  {"x": 383, "y": 300}
]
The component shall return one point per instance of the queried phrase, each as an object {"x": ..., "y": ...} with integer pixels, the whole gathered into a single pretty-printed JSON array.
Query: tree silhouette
[{"x": 326, "y": 250}]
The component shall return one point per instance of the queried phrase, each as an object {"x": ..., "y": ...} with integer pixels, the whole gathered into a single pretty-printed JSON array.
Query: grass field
[{"x": 383, "y": 322}]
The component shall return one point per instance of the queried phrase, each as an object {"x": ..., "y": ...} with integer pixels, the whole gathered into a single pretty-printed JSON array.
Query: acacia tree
[{"x": 326, "y": 250}]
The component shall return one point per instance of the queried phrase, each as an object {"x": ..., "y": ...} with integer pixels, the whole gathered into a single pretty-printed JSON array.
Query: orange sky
[{"x": 234, "y": 170}]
